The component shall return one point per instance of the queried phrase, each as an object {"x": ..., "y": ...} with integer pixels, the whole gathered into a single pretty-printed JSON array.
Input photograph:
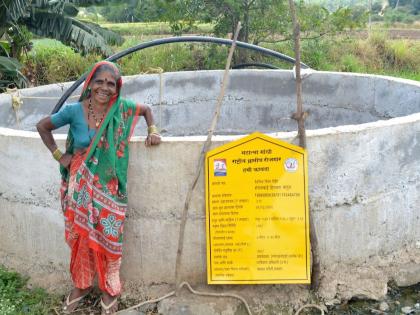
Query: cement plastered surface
[{"x": 363, "y": 189}]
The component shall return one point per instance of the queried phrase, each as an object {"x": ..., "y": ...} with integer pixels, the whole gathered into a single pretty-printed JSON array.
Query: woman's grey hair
[{"x": 107, "y": 68}]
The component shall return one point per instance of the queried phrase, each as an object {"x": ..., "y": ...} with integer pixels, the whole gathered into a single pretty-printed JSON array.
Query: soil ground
[{"x": 398, "y": 301}]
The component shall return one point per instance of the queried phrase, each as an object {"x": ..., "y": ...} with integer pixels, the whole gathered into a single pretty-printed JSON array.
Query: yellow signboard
[{"x": 257, "y": 212}]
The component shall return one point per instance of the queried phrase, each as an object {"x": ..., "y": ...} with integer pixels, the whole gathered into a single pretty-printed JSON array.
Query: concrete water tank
[{"x": 363, "y": 141}]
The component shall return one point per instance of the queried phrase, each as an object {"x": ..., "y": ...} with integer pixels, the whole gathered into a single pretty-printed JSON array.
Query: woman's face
[{"x": 103, "y": 87}]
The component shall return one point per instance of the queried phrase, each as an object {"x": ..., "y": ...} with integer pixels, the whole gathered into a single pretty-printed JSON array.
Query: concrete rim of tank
[{"x": 351, "y": 127}]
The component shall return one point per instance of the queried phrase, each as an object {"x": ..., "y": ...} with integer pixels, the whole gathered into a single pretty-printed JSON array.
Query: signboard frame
[{"x": 215, "y": 162}]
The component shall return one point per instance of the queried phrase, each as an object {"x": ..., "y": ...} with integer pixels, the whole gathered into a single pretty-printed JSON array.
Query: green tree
[
  {"x": 120, "y": 11},
  {"x": 148, "y": 10},
  {"x": 132, "y": 11},
  {"x": 181, "y": 14},
  {"x": 262, "y": 20}
]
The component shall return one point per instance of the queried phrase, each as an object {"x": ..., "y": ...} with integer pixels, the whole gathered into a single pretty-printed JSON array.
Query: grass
[
  {"x": 377, "y": 54},
  {"x": 17, "y": 299},
  {"x": 44, "y": 64},
  {"x": 173, "y": 57}
]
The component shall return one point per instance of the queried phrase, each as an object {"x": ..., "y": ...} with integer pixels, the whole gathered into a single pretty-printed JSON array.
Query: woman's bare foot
[
  {"x": 109, "y": 304},
  {"x": 73, "y": 299}
]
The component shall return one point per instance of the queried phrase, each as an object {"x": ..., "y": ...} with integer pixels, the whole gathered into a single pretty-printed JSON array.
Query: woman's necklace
[{"x": 97, "y": 121}]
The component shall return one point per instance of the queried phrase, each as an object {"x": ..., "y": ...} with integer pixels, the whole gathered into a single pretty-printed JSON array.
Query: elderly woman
[{"x": 94, "y": 180}]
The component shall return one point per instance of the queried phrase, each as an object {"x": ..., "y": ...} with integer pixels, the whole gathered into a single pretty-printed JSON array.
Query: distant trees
[
  {"x": 410, "y": 6},
  {"x": 405, "y": 11},
  {"x": 262, "y": 20},
  {"x": 131, "y": 11}
]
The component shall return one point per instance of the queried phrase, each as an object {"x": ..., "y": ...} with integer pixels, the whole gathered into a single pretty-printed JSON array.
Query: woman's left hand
[{"x": 153, "y": 139}]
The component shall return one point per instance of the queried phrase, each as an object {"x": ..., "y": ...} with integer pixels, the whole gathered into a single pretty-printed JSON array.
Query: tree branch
[
  {"x": 204, "y": 150},
  {"x": 300, "y": 117}
]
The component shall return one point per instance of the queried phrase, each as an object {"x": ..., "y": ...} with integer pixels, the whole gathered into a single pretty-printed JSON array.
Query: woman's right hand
[{"x": 66, "y": 160}]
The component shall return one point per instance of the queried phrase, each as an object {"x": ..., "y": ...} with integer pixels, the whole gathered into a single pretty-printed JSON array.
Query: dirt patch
[{"x": 398, "y": 301}]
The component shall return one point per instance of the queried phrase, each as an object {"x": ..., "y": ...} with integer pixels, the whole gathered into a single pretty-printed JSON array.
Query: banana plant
[
  {"x": 57, "y": 19},
  {"x": 48, "y": 18},
  {"x": 10, "y": 75}
]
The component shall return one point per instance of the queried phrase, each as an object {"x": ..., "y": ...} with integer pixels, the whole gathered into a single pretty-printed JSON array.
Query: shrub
[
  {"x": 350, "y": 63},
  {"x": 405, "y": 57},
  {"x": 51, "y": 62},
  {"x": 173, "y": 57},
  {"x": 315, "y": 52},
  {"x": 396, "y": 55},
  {"x": 45, "y": 63}
]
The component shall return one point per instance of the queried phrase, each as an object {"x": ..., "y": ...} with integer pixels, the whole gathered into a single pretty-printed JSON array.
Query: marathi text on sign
[{"x": 257, "y": 212}]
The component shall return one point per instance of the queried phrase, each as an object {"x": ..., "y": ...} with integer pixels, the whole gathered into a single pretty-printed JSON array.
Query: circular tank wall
[{"x": 363, "y": 142}]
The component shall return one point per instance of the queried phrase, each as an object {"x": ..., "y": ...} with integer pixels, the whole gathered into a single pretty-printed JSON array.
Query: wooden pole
[
  {"x": 300, "y": 116},
  {"x": 204, "y": 150}
]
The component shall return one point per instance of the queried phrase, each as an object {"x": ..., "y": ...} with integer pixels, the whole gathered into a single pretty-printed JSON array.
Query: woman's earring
[{"x": 88, "y": 92}]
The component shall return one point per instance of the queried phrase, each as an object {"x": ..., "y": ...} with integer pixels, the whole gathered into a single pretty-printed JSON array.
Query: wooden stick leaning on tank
[
  {"x": 206, "y": 147},
  {"x": 300, "y": 117}
]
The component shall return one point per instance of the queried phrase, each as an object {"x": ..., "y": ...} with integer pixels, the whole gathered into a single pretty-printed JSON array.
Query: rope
[
  {"x": 159, "y": 71},
  {"x": 308, "y": 306},
  {"x": 17, "y": 97},
  {"x": 160, "y": 96},
  {"x": 16, "y": 101},
  {"x": 146, "y": 302},
  {"x": 153, "y": 70},
  {"x": 231, "y": 295},
  {"x": 45, "y": 97},
  {"x": 186, "y": 284},
  {"x": 217, "y": 295}
]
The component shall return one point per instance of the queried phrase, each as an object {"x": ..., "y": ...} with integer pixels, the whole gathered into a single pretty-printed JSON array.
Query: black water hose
[
  {"x": 179, "y": 39},
  {"x": 254, "y": 64}
]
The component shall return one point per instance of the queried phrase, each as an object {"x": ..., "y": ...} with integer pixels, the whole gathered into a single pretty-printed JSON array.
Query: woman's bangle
[
  {"x": 152, "y": 129},
  {"x": 57, "y": 154}
]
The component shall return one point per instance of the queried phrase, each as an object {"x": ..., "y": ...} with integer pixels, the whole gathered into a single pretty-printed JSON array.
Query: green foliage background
[
  {"x": 329, "y": 30},
  {"x": 376, "y": 54}
]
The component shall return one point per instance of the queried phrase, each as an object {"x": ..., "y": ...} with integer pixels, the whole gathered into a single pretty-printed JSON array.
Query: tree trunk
[
  {"x": 244, "y": 35},
  {"x": 246, "y": 23},
  {"x": 300, "y": 117}
]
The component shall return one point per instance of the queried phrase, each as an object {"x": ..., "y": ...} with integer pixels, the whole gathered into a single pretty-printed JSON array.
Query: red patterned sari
[{"x": 94, "y": 196}]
